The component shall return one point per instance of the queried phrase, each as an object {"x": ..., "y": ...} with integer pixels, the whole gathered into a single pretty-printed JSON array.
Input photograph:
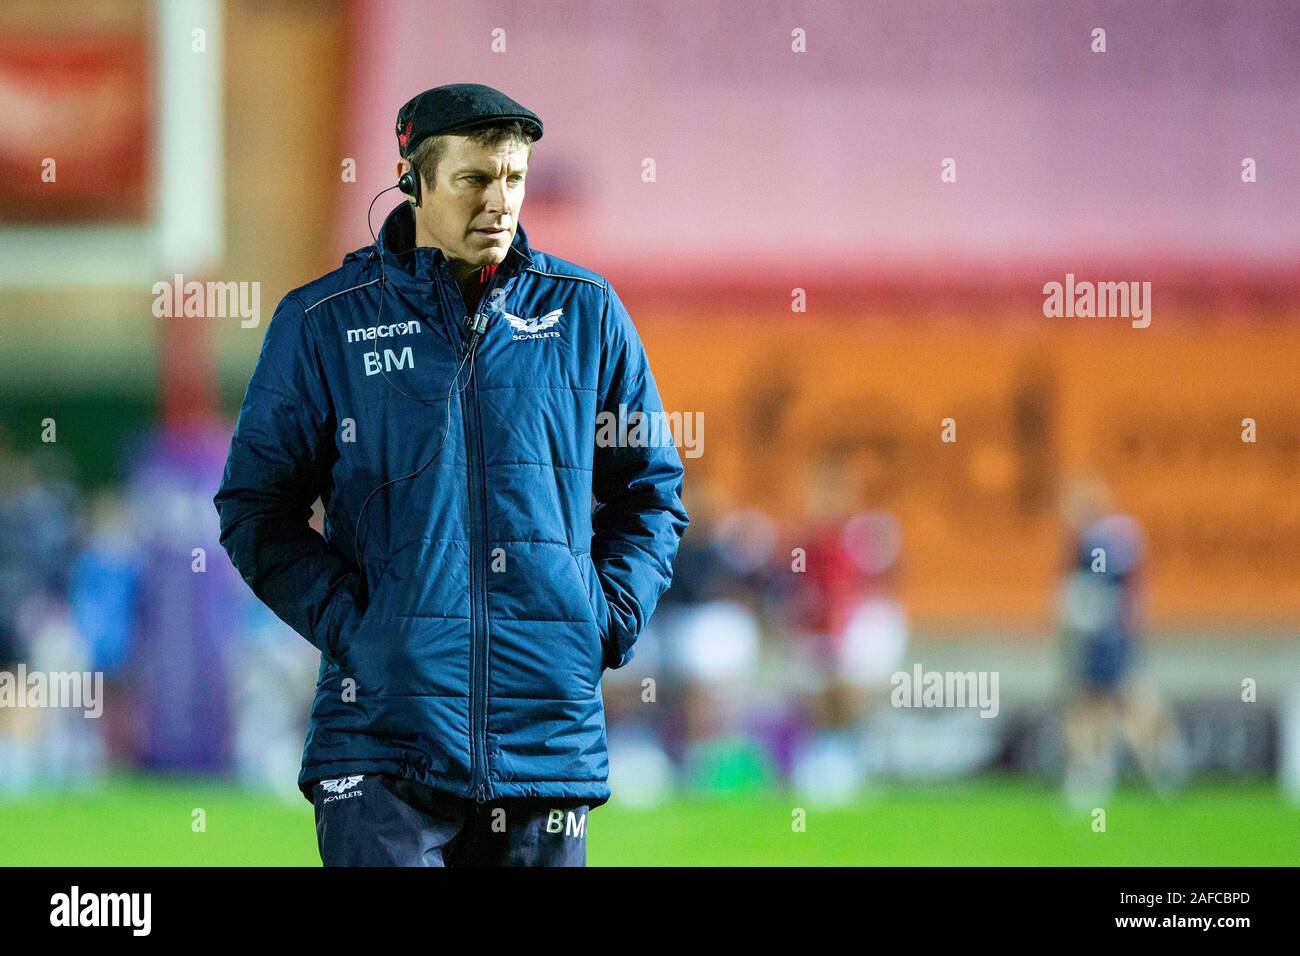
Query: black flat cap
[{"x": 457, "y": 107}]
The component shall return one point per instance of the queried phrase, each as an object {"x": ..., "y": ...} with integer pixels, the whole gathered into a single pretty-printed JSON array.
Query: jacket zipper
[
  {"x": 480, "y": 782},
  {"x": 477, "y": 600},
  {"x": 478, "y": 596}
]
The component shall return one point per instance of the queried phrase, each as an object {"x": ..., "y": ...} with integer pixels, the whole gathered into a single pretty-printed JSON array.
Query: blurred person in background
[
  {"x": 850, "y": 631},
  {"x": 716, "y": 648},
  {"x": 105, "y": 581},
  {"x": 271, "y": 692},
  {"x": 646, "y": 701},
  {"x": 680, "y": 707},
  {"x": 13, "y": 569},
  {"x": 1100, "y": 625},
  {"x": 40, "y": 509}
]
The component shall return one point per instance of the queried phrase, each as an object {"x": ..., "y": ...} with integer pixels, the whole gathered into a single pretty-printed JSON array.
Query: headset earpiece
[{"x": 409, "y": 183}]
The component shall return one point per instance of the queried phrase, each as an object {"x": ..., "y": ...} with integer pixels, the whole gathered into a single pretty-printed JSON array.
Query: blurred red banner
[{"x": 74, "y": 146}]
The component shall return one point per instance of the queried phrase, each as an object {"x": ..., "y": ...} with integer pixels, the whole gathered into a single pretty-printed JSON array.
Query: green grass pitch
[{"x": 137, "y": 821}]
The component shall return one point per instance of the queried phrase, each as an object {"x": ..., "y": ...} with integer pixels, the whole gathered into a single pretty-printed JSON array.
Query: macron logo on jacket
[{"x": 383, "y": 331}]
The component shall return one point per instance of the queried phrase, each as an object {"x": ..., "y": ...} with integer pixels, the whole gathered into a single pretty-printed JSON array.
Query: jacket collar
[{"x": 396, "y": 244}]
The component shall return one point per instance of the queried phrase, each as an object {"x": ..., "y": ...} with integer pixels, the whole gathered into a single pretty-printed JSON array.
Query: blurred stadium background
[{"x": 802, "y": 277}]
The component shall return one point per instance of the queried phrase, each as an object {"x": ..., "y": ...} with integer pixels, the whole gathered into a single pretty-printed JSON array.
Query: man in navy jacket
[{"x": 442, "y": 394}]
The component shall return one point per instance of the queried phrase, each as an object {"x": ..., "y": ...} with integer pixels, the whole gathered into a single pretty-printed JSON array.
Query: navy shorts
[{"x": 376, "y": 820}]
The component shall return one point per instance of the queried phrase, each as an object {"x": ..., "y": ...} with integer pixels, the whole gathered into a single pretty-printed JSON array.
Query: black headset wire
[{"x": 468, "y": 354}]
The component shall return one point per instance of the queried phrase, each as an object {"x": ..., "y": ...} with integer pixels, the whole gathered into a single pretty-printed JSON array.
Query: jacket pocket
[
  {"x": 362, "y": 596},
  {"x": 341, "y": 619},
  {"x": 596, "y": 600}
]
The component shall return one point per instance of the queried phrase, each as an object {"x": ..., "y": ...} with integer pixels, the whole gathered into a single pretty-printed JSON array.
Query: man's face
[{"x": 472, "y": 212}]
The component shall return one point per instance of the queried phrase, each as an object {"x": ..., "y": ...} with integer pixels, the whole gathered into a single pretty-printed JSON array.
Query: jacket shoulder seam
[
  {"x": 332, "y": 295},
  {"x": 561, "y": 275}
]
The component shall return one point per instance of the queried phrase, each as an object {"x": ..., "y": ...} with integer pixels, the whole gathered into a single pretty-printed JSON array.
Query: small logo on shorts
[{"x": 340, "y": 787}]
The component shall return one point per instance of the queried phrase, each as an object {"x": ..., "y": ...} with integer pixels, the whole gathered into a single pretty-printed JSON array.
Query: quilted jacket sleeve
[
  {"x": 281, "y": 452},
  {"x": 638, "y": 519}
]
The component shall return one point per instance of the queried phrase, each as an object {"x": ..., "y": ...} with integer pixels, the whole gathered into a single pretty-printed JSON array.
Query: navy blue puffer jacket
[{"x": 484, "y": 557}]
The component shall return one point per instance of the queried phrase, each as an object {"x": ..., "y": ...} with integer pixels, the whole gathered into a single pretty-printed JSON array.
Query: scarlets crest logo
[
  {"x": 339, "y": 789},
  {"x": 535, "y": 327}
]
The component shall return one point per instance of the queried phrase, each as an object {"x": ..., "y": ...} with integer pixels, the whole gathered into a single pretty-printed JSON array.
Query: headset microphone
[{"x": 409, "y": 183}]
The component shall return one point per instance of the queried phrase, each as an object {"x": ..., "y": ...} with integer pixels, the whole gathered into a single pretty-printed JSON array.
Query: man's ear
[{"x": 403, "y": 167}]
